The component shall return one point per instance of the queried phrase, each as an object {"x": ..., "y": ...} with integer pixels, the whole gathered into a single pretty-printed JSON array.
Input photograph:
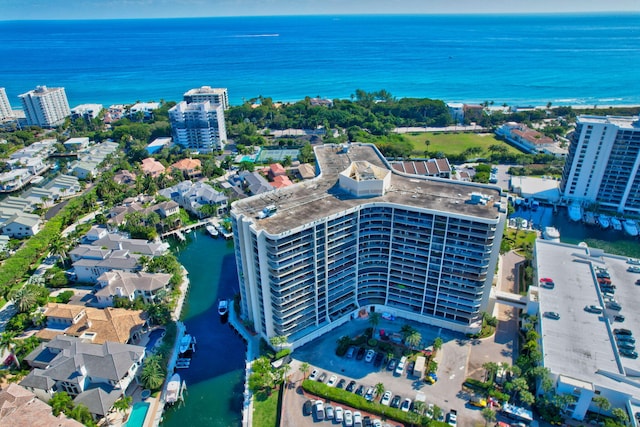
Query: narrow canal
[{"x": 215, "y": 378}]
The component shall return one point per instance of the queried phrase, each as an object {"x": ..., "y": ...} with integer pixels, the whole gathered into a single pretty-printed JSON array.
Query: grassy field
[
  {"x": 264, "y": 409},
  {"x": 454, "y": 143}
]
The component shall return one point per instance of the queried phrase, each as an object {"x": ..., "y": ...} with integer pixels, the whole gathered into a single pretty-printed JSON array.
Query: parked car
[
  {"x": 341, "y": 383},
  {"x": 629, "y": 353},
  {"x": 547, "y": 285},
  {"x": 545, "y": 280},
  {"x": 357, "y": 419},
  {"x": 638, "y": 282},
  {"x": 612, "y": 305},
  {"x": 366, "y": 421},
  {"x": 395, "y": 402},
  {"x": 322, "y": 377},
  {"x": 400, "y": 368},
  {"x": 633, "y": 261},
  {"x": 319, "y": 409},
  {"x": 351, "y": 386},
  {"x": 314, "y": 375},
  {"x": 410, "y": 366},
  {"x": 307, "y": 408},
  {"x": 350, "y": 352},
  {"x": 332, "y": 381},
  {"x": 338, "y": 414},
  {"x": 552, "y": 315},
  {"x": 360, "y": 390},
  {"x": 386, "y": 398},
  {"x": 604, "y": 280},
  {"x": 603, "y": 274},
  {"x": 377, "y": 423},
  {"x": 618, "y": 318},
  {"x": 370, "y": 394},
  {"x": 633, "y": 269},
  {"x": 625, "y": 338},
  {"x": 478, "y": 401},
  {"x": 452, "y": 418},
  {"x": 622, "y": 331},
  {"x": 328, "y": 411},
  {"x": 361, "y": 352},
  {"x": 593, "y": 309},
  {"x": 392, "y": 364},
  {"x": 406, "y": 405},
  {"x": 626, "y": 345},
  {"x": 370, "y": 355},
  {"x": 378, "y": 360},
  {"x": 348, "y": 418}
]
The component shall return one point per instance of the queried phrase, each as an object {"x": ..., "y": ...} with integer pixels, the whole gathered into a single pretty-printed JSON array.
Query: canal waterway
[{"x": 215, "y": 378}]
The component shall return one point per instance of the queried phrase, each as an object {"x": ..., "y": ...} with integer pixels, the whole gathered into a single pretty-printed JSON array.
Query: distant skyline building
[
  {"x": 45, "y": 107},
  {"x": 603, "y": 164},
  {"x": 198, "y": 126},
  {"x": 5, "y": 108},
  {"x": 362, "y": 237},
  {"x": 207, "y": 93}
]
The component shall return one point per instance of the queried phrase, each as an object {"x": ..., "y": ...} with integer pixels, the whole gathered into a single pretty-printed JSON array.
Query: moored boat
[
  {"x": 551, "y": 233},
  {"x": 630, "y": 227},
  {"x": 575, "y": 212},
  {"x": 223, "y": 307},
  {"x": 212, "y": 230},
  {"x": 604, "y": 221},
  {"x": 185, "y": 343},
  {"x": 173, "y": 389},
  {"x": 616, "y": 224},
  {"x": 590, "y": 218}
]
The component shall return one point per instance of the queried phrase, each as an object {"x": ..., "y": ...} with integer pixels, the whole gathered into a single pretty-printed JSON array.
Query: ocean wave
[{"x": 255, "y": 35}]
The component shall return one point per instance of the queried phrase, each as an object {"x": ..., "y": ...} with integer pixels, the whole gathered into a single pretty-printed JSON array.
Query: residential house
[
  {"x": 95, "y": 375},
  {"x": 124, "y": 177},
  {"x": 152, "y": 167},
  {"x": 276, "y": 169},
  {"x": 190, "y": 168},
  {"x": 76, "y": 144},
  {"x": 281, "y": 181},
  {"x": 87, "y": 112},
  {"x": 95, "y": 325},
  {"x": 306, "y": 171},
  {"x": 255, "y": 183},
  {"x": 96, "y": 232},
  {"x": 165, "y": 209},
  {"x": 194, "y": 196},
  {"x": 526, "y": 138},
  {"x": 20, "y": 225},
  {"x": 130, "y": 285},
  {"x": 158, "y": 144},
  {"x": 21, "y": 408},
  {"x": 14, "y": 180}
]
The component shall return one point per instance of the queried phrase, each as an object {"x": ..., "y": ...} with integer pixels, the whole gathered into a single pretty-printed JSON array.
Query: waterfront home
[
  {"x": 85, "y": 169},
  {"x": 95, "y": 375},
  {"x": 193, "y": 196},
  {"x": 152, "y": 167},
  {"x": 14, "y": 179},
  {"x": 95, "y": 325},
  {"x": 130, "y": 285},
  {"x": 87, "y": 112},
  {"x": 254, "y": 183},
  {"x": 60, "y": 187},
  {"x": 20, "y": 225},
  {"x": 34, "y": 165},
  {"x": 190, "y": 168},
  {"x": 74, "y": 145},
  {"x": 20, "y": 408},
  {"x": 89, "y": 269},
  {"x": 528, "y": 139}
]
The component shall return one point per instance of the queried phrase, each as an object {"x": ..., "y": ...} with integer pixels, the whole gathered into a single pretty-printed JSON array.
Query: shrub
[
  {"x": 64, "y": 297},
  {"x": 372, "y": 342},
  {"x": 282, "y": 353}
]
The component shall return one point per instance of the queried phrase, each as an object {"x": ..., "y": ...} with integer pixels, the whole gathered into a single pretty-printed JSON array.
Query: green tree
[
  {"x": 278, "y": 341},
  {"x": 437, "y": 343},
  {"x": 406, "y": 330},
  {"x": 414, "y": 339},
  {"x": 491, "y": 369},
  {"x": 24, "y": 299},
  {"x": 380, "y": 389},
  {"x": 7, "y": 343},
  {"x": 489, "y": 415},
  {"x": 61, "y": 402},
  {"x": 304, "y": 368},
  {"x": 602, "y": 403},
  {"x": 153, "y": 373},
  {"x": 620, "y": 415},
  {"x": 82, "y": 414},
  {"x": 374, "y": 321},
  {"x": 123, "y": 404}
]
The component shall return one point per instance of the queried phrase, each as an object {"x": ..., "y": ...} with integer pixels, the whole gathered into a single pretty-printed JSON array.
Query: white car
[
  {"x": 377, "y": 423},
  {"x": 348, "y": 418},
  {"x": 338, "y": 414},
  {"x": 319, "y": 408},
  {"x": 406, "y": 405},
  {"x": 386, "y": 398},
  {"x": 314, "y": 375},
  {"x": 370, "y": 355},
  {"x": 452, "y": 419},
  {"x": 357, "y": 419},
  {"x": 332, "y": 381}
]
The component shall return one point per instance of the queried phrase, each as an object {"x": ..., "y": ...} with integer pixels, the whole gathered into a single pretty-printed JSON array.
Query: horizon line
[{"x": 506, "y": 13}]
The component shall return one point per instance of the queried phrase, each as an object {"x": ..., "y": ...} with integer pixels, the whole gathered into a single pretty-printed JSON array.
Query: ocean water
[{"x": 534, "y": 59}]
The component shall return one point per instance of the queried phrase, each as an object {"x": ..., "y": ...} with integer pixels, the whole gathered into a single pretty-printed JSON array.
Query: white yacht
[
  {"x": 223, "y": 307},
  {"x": 212, "y": 230},
  {"x": 616, "y": 224},
  {"x": 173, "y": 389},
  {"x": 185, "y": 343},
  {"x": 551, "y": 233},
  {"x": 630, "y": 227},
  {"x": 604, "y": 221},
  {"x": 575, "y": 212}
]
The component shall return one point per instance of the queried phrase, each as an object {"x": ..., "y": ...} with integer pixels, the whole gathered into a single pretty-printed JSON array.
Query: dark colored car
[
  {"x": 629, "y": 353},
  {"x": 626, "y": 345},
  {"x": 361, "y": 352},
  {"x": 625, "y": 338},
  {"x": 395, "y": 402},
  {"x": 378, "y": 360},
  {"x": 341, "y": 383},
  {"x": 307, "y": 407},
  {"x": 367, "y": 421},
  {"x": 351, "y": 386},
  {"x": 360, "y": 390},
  {"x": 392, "y": 364},
  {"x": 638, "y": 282},
  {"x": 350, "y": 352},
  {"x": 622, "y": 331},
  {"x": 322, "y": 377},
  {"x": 618, "y": 318}
]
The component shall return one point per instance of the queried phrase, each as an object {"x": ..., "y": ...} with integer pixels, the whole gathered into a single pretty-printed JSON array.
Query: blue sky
[{"x": 109, "y": 9}]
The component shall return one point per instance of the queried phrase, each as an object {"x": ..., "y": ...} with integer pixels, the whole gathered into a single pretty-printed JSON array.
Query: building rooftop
[
  {"x": 580, "y": 344},
  {"x": 321, "y": 197},
  {"x": 624, "y": 122}
]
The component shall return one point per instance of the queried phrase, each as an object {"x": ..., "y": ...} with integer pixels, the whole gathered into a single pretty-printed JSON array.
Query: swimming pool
[
  {"x": 154, "y": 336},
  {"x": 138, "y": 414}
]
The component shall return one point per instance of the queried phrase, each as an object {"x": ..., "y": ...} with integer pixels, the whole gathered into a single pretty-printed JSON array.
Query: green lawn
[
  {"x": 454, "y": 143},
  {"x": 265, "y": 409}
]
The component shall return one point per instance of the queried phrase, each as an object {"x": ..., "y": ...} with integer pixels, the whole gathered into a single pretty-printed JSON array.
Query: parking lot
[{"x": 457, "y": 357}]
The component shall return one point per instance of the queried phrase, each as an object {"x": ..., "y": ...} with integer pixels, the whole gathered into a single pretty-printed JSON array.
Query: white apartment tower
[
  {"x": 198, "y": 126},
  {"x": 603, "y": 164},
  {"x": 362, "y": 237},
  {"x": 208, "y": 93},
  {"x": 5, "y": 108},
  {"x": 45, "y": 107}
]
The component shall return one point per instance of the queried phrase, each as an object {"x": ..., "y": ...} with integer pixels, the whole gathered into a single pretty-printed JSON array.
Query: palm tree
[
  {"x": 437, "y": 344},
  {"x": 60, "y": 402},
  {"x": 418, "y": 406},
  {"x": 414, "y": 339},
  {"x": 406, "y": 330},
  {"x": 380, "y": 389},
  {"x": 492, "y": 369},
  {"x": 24, "y": 298},
  {"x": 374, "y": 320},
  {"x": 152, "y": 373},
  {"x": 489, "y": 415},
  {"x": 7, "y": 343},
  {"x": 602, "y": 403},
  {"x": 304, "y": 368},
  {"x": 123, "y": 404}
]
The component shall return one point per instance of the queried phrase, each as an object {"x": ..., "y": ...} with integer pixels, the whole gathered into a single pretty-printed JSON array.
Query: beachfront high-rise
[
  {"x": 603, "y": 164},
  {"x": 362, "y": 237},
  {"x": 198, "y": 126},
  {"x": 5, "y": 108},
  {"x": 207, "y": 93},
  {"x": 45, "y": 106}
]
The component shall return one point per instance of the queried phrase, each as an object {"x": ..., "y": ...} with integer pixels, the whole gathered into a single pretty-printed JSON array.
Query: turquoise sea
[
  {"x": 516, "y": 59},
  {"x": 215, "y": 377}
]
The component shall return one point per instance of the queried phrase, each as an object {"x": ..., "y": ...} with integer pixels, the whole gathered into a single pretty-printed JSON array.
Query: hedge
[{"x": 358, "y": 402}]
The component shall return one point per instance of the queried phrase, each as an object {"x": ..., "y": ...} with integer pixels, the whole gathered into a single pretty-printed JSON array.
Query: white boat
[
  {"x": 575, "y": 212},
  {"x": 223, "y": 307},
  {"x": 212, "y": 230},
  {"x": 185, "y": 343},
  {"x": 630, "y": 227},
  {"x": 604, "y": 221},
  {"x": 173, "y": 389},
  {"x": 552, "y": 234},
  {"x": 616, "y": 224}
]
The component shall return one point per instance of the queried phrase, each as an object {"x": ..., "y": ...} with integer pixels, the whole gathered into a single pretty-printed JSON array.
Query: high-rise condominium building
[
  {"x": 603, "y": 164},
  {"x": 45, "y": 106},
  {"x": 5, "y": 108},
  {"x": 362, "y": 237},
  {"x": 208, "y": 93},
  {"x": 198, "y": 126}
]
